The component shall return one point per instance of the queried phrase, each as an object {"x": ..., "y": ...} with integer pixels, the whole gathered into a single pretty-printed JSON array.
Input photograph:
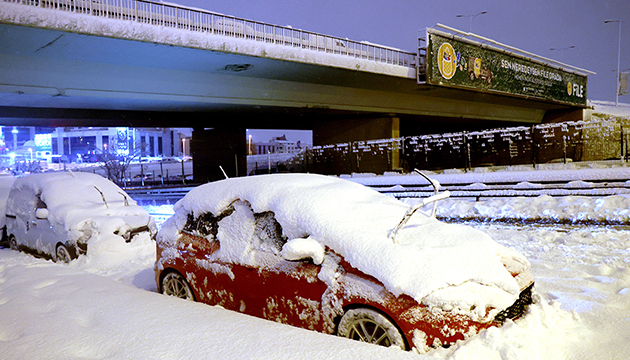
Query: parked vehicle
[
  {"x": 6, "y": 182},
  {"x": 56, "y": 215},
  {"x": 333, "y": 256}
]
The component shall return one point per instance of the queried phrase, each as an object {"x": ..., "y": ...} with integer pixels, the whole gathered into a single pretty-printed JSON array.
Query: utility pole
[{"x": 618, "y": 60}]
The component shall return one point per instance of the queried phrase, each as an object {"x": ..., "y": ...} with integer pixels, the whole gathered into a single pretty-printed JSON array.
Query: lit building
[
  {"x": 78, "y": 144},
  {"x": 279, "y": 145}
]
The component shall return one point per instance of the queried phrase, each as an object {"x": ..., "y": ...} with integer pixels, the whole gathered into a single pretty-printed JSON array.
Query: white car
[{"x": 55, "y": 215}]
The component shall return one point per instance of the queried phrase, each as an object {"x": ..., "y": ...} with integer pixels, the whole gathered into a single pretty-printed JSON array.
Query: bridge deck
[{"x": 208, "y": 30}]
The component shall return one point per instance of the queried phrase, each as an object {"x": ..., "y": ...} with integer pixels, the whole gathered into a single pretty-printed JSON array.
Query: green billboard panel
[{"x": 474, "y": 66}]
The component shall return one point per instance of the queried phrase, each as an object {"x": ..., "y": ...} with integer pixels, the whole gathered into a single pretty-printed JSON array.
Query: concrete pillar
[
  {"x": 99, "y": 140},
  {"x": 350, "y": 130},
  {"x": 216, "y": 148}
]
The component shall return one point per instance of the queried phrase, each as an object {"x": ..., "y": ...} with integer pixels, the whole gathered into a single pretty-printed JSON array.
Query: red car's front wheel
[
  {"x": 370, "y": 326},
  {"x": 174, "y": 284}
]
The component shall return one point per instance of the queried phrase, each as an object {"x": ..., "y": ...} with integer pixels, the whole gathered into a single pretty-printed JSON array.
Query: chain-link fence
[{"x": 595, "y": 140}]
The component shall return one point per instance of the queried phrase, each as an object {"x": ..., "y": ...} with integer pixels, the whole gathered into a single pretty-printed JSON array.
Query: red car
[{"x": 334, "y": 256}]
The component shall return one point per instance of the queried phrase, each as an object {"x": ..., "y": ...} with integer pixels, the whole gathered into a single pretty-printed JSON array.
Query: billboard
[
  {"x": 461, "y": 63},
  {"x": 122, "y": 142},
  {"x": 43, "y": 142}
]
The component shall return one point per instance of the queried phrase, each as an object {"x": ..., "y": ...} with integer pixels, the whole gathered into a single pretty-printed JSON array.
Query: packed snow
[{"x": 56, "y": 311}]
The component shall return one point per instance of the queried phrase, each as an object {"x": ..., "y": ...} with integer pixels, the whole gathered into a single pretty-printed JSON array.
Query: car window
[
  {"x": 40, "y": 204},
  {"x": 205, "y": 225},
  {"x": 22, "y": 201},
  {"x": 245, "y": 231},
  {"x": 268, "y": 232}
]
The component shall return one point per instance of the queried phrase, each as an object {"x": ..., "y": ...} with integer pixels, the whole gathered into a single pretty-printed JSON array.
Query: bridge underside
[{"x": 55, "y": 78}]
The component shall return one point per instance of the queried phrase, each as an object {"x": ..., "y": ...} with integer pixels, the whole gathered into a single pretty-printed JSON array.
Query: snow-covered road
[
  {"x": 90, "y": 310},
  {"x": 105, "y": 308}
]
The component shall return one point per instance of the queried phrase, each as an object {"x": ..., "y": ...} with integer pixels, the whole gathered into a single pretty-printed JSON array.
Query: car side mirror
[
  {"x": 304, "y": 249},
  {"x": 41, "y": 213}
]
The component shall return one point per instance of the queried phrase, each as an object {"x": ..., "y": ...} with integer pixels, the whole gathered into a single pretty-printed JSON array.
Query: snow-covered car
[
  {"x": 56, "y": 215},
  {"x": 6, "y": 182},
  {"x": 334, "y": 256}
]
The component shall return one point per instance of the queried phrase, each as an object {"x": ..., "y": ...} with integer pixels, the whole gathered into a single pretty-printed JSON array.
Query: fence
[
  {"x": 180, "y": 17},
  {"x": 561, "y": 142}
]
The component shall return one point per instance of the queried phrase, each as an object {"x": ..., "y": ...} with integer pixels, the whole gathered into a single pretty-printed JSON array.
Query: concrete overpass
[{"x": 144, "y": 64}]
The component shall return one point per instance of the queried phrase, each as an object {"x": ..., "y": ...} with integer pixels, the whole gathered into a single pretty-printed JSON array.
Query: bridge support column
[
  {"x": 216, "y": 148},
  {"x": 349, "y": 130}
]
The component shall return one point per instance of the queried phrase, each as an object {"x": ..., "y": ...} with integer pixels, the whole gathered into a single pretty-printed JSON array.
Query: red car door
[{"x": 288, "y": 292}]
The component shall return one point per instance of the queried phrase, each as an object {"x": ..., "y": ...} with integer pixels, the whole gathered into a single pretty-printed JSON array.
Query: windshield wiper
[{"x": 437, "y": 196}]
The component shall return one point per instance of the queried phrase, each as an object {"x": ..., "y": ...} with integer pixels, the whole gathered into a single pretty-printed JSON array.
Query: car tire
[
  {"x": 370, "y": 326},
  {"x": 174, "y": 284},
  {"x": 13, "y": 242},
  {"x": 62, "y": 254}
]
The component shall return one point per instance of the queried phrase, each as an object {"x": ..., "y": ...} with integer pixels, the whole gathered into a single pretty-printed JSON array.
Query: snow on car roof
[
  {"x": 74, "y": 197},
  {"x": 355, "y": 222}
]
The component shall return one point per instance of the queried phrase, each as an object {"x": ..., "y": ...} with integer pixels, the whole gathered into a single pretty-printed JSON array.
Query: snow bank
[
  {"x": 434, "y": 262},
  {"x": 56, "y": 312},
  {"x": 542, "y": 209},
  {"x": 515, "y": 174}
]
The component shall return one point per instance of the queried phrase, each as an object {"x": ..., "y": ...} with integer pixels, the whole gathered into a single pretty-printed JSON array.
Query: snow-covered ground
[{"x": 92, "y": 309}]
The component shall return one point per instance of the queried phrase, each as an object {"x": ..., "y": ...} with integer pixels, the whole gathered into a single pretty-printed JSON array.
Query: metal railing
[{"x": 180, "y": 17}]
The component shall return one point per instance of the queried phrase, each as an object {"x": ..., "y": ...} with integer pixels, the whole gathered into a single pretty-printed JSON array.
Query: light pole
[
  {"x": 618, "y": 59},
  {"x": 562, "y": 50},
  {"x": 471, "y": 18}
]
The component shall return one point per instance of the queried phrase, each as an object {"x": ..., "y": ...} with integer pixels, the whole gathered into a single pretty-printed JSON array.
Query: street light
[
  {"x": 471, "y": 18},
  {"x": 618, "y": 59},
  {"x": 562, "y": 50}
]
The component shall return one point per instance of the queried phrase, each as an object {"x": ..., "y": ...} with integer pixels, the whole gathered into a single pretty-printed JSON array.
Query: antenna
[
  {"x": 223, "y": 171},
  {"x": 102, "y": 196}
]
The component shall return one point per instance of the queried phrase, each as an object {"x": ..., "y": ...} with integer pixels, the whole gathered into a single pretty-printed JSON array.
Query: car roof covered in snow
[{"x": 355, "y": 222}]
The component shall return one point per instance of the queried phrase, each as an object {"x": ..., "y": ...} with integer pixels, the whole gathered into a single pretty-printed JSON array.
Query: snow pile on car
[
  {"x": 81, "y": 203},
  {"x": 453, "y": 267}
]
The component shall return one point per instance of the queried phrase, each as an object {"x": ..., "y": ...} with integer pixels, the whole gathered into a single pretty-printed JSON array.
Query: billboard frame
[{"x": 461, "y": 60}]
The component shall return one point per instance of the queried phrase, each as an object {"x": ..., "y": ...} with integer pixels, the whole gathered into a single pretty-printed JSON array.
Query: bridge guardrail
[{"x": 181, "y": 17}]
